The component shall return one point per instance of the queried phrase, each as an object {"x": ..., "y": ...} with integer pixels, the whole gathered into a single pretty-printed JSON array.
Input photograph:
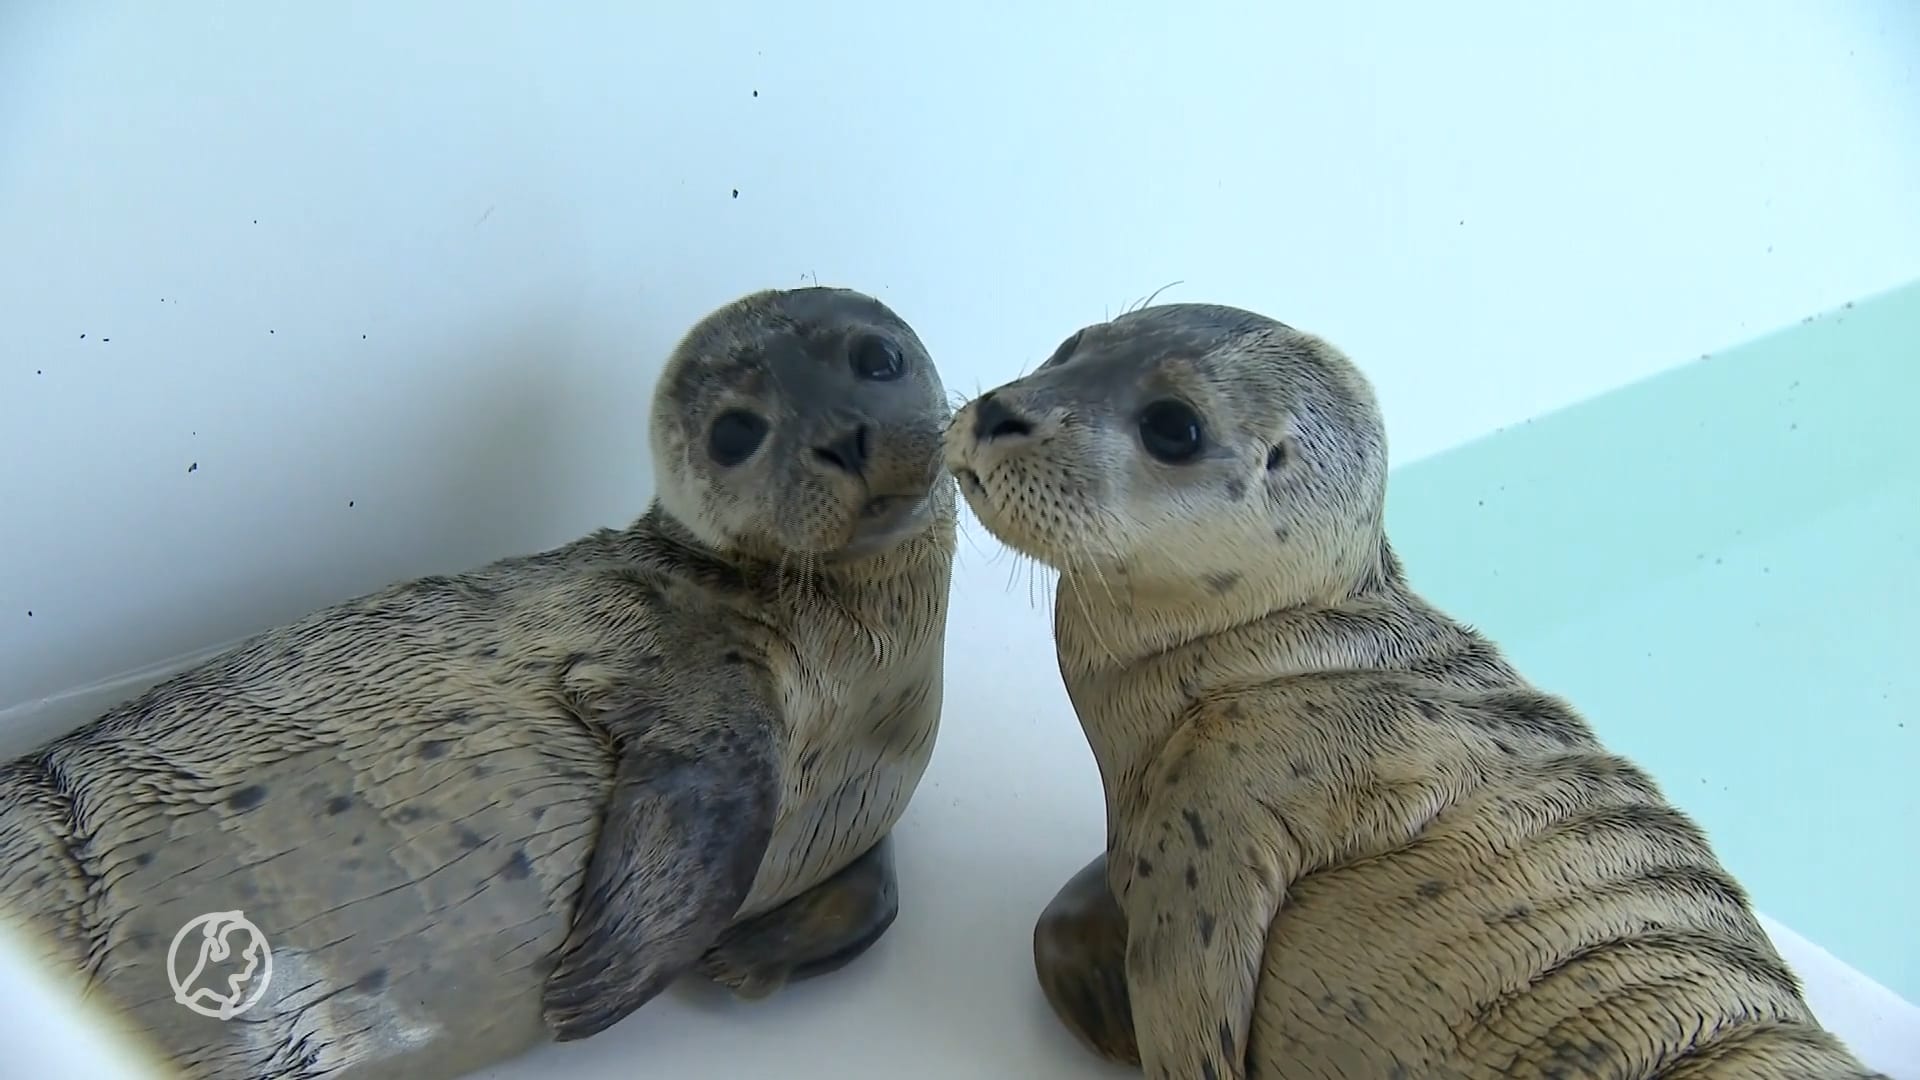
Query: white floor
[{"x": 1009, "y": 808}]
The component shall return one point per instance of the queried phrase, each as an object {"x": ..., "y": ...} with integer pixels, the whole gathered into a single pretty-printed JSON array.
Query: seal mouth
[{"x": 886, "y": 519}]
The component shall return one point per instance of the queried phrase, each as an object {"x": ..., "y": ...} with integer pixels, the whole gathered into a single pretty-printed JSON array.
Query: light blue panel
[{"x": 1721, "y": 566}]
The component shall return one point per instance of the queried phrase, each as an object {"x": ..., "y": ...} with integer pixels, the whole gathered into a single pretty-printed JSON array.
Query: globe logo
[{"x": 223, "y": 970}]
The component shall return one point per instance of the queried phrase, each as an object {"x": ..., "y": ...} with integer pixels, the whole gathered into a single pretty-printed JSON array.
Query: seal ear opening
[{"x": 1276, "y": 457}]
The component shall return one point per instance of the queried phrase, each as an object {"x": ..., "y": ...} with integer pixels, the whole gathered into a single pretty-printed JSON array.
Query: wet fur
[
  {"x": 475, "y": 812},
  {"x": 1345, "y": 837}
]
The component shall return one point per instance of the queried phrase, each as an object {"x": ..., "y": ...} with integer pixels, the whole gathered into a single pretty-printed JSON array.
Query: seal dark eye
[
  {"x": 735, "y": 435},
  {"x": 1170, "y": 430},
  {"x": 877, "y": 359}
]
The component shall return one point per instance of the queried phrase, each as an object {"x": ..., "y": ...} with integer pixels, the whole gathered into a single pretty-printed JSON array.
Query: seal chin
[{"x": 884, "y": 521}]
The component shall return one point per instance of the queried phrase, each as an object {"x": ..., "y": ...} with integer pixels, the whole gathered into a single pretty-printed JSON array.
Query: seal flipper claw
[
  {"x": 689, "y": 820},
  {"x": 1080, "y": 958},
  {"x": 815, "y": 933}
]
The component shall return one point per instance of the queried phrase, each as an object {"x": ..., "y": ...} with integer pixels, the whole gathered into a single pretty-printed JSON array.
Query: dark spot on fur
[
  {"x": 1300, "y": 769},
  {"x": 539, "y": 812},
  {"x": 477, "y": 771},
  {"x": 732, "y": 656},
  {"x": 1275, "y": 456},
  {"x": 406, "y": 815},
  {"x": 517, "y": 867},
  {"x": 1281, "y": 534},
  {"x": 352, "y": 862},
  {"x": 145, "y": 858},
  {"x": 141, "y": 940},
  {"x": 1222, "y": 583},
  {"x": 486, "y": 652},
  {"x": 247, "y": 798},
  {"x": 1208, "y": 1072},
  {"x": 433, "y": 748},
  {"x": 1430, "y": 890},
  {"x": 1142, "y": 868},
  {"x": 1200, "y": 838},
  {"x": 339, "y": 804},
  {"x": 1313, "y": 708},
  {"x": 1236, "y": 489},
  {"x": 1226, "y": 1039},
  {"x": 1233, "y": 749},
  {"x": 372, "y": 982},
  {"x": 1518, "y": 912},
  {"x": 358, "y": 839},
  {"x": 1428, "y": 709},
  {"x": 468, "y": 838},
  {"x": 1193, "y": 876},
  {"x": 1206, "y": 928},
  {"x": 1357, "y": 1010}
]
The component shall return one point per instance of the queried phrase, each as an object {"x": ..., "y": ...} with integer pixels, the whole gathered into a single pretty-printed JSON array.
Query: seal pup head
[
  {"x": 1184, "y": 456},
  {"x": 802, "y": 421}
]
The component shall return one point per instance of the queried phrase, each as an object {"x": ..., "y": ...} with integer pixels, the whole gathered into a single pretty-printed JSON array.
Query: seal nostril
[
  {"x": 847, "y": 453},
  {"x": 993, "y": 420}
]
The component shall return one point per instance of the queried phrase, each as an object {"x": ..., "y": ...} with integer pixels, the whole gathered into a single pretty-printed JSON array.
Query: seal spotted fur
[
  {"x": 1345, "y": 837},
  {"x": 474, "y": 812}
]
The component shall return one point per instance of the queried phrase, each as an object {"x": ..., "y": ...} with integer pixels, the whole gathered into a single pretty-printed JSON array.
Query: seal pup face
[
  {"x": 1184, "y": 454},
  {"x": 803, "y": 421}
]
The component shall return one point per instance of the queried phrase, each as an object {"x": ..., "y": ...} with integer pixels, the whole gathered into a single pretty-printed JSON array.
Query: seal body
[
  {"x": 471, "y": 813},
  {"x": 1346, "y": 838}
]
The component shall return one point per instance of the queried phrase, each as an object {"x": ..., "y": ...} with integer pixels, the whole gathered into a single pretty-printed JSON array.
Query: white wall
[{"x": 424, "y": 258}]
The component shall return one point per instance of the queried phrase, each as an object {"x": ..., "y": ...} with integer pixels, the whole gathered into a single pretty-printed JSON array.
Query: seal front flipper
[
  {"x": 1200, "y": 879},
  {"x": 815, "y": 933},
  {"x": 1080, "y": 956},
  {"x": 692, "y": 809}
]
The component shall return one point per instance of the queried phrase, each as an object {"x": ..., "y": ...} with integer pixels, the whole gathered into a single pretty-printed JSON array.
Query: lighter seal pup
[
  {"x": 475, "y": 812},
  {"x": 1345, "y": 837}
]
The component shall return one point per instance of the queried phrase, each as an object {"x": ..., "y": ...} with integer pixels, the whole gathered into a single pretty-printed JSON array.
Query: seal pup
[
  {"x": 470, "y": 813},
  {"x": 1345, "y": 837}
]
